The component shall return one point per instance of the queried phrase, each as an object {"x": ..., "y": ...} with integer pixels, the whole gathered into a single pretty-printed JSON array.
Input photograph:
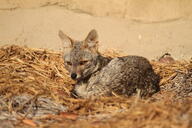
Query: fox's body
[{"x": 97, "y": 75}]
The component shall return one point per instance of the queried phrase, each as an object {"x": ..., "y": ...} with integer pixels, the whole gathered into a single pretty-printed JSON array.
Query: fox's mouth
[{"x": 79, "y": 79}]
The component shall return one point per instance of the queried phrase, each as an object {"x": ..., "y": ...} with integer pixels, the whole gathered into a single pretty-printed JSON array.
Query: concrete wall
[{"x": 142, "y": 10}]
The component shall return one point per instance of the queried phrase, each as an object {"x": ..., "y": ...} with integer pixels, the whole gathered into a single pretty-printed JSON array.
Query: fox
[{"x": 97, "y": 75}]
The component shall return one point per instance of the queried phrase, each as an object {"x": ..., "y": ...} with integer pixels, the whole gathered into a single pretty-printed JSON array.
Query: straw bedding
[{"x": 35, "y": 92}]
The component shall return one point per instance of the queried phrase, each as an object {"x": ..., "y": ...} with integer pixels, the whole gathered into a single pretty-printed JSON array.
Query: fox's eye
[
  {"x": 83, "y": 62},
  {"x": 69, "y": 63}
]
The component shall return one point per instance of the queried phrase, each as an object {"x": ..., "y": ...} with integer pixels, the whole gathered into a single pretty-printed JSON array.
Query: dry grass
[{"x": 35, "y": 92}]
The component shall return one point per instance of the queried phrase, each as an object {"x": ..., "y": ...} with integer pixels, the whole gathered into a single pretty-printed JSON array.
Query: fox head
[{"x": 80, "y": 58}]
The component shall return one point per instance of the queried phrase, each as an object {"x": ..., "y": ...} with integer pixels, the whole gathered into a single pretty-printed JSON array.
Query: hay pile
[{"x": 35, "y": 92}]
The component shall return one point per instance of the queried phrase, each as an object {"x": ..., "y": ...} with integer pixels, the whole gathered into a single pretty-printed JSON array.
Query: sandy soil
[{"x": 140, "y": 28}]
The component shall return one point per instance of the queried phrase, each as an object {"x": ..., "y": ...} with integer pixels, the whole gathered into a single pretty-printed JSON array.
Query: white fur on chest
[{"x": 81, "y": 90}]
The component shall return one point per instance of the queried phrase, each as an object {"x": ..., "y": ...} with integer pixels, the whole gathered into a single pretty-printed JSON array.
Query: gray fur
[{"x": 100, "y": 76}]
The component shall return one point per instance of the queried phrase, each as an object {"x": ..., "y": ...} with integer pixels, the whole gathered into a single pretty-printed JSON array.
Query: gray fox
[{"x": 97, "y": 75}]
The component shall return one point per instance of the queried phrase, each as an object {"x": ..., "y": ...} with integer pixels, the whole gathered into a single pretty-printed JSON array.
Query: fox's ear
[
  {"x": 91, "y": 40},
  {"x": 92, "y": 36},
  {"x": 67, "y": 41}
]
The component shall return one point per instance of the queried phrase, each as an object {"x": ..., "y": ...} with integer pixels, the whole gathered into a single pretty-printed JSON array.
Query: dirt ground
[{"x": 147, "y": 28}]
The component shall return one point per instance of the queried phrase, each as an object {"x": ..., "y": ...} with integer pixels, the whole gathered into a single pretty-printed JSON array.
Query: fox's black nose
[{"x": 74, "y": 76}]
